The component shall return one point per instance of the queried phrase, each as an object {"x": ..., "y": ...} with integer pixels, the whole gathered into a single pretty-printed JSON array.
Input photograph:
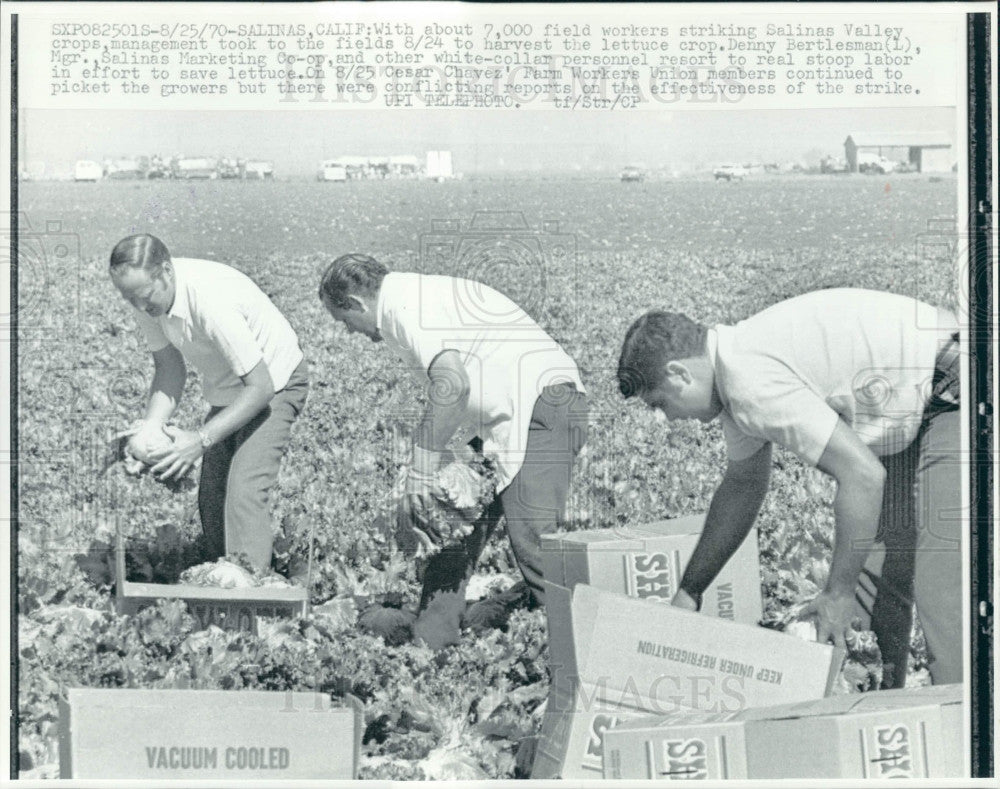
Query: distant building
[
  {"x": 439, "y": 165},
  {"x": 925, "y": 152}
]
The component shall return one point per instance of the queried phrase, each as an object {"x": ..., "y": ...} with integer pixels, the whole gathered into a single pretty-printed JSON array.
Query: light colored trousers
[{"x": 238, "y": 473}]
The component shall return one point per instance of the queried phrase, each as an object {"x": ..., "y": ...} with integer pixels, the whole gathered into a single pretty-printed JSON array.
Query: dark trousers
[
  {"x": 920, "y": 527},
  {"x": 533, "y": 505},
  {"x": 238, "y": 473}
]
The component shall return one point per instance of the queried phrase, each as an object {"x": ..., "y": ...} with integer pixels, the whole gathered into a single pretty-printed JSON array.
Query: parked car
[
  {"x": 633, "y": 173},
  {"x": 124, "y": 170},
  {"x": 158, "y": 170},
  {"x": 87, "y": 171},
  {"x": 258, "y": 169},
  {"x": 730, "y": 172},
  {"x": 331, "y": 171},
  {"x": 874, "y": 163},
  {"x": 831, "y": 164},
  {"x": 195, "y": 168},
  {"x": 228, "y": 169}
]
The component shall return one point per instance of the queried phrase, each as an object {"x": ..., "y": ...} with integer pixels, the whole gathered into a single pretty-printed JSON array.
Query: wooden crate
[{"x": 230, "y": 609}]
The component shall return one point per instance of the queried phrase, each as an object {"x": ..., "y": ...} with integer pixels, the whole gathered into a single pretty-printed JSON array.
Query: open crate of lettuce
[
  {"x": 226, "y": 593},
  {"x": 220, "y": 593}
]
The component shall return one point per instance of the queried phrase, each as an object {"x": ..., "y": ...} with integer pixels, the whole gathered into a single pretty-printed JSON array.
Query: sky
[{"x": 480, "y": 140}]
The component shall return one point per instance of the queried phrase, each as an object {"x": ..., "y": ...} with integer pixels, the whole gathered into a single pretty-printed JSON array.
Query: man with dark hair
[
  {"x": 495, "y": 380},
  {"x": 253, "y": 375},
  {"x": 349, "y": 275},
  {"x": 861, "y": 384}
]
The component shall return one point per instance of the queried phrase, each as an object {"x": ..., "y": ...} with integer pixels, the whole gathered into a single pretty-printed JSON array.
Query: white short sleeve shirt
[
  {"x": 224, "y": 326},
  {"x": 787, "y": 374},
  {"x": 508, "y": 357}
]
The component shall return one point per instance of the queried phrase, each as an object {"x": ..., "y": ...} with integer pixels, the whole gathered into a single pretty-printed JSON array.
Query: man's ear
[
  {"x": 679, "y": 371},
  {"x": 357, "y": 303},
  {"x": 167, "y": 267}
]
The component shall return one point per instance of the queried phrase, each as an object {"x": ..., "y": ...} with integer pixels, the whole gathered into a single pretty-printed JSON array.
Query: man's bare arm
[
  {"x": 447, "y": 398},
  {"x": 732, "y": 513},
  {"x": 860, "y": 480},
  {"x": 169, "y": 376},
  {"x": 257, "y": 392}
]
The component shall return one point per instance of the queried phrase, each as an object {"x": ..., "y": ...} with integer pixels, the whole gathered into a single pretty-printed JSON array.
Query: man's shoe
[
  {"x": 439, "y": 624},
  {"x": 488, "y": 614},
  {"x": 395, "y": 625},
  {"x": 297, "y": 571},
  {"x": 492, "y": 613}
]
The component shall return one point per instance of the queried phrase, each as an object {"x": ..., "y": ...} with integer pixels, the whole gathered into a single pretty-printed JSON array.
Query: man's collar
[
  {"x": 181, "y": 307},
  {"x": 712, "y": 346},
  {"x": 380, "y": 305}
]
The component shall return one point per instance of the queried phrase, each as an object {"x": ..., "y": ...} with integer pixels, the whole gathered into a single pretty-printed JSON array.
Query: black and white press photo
[{"x": 472, "y": 392}]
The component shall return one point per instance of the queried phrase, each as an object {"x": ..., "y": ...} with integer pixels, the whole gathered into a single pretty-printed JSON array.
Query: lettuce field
[{"x": 585, "y": 257}]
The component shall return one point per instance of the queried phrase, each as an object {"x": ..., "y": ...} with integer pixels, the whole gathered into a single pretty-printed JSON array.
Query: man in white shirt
[
  {"x": 861, "y": 384},
  {"x": 494, "y": 379},
  {"x": 253, "y": 376}
]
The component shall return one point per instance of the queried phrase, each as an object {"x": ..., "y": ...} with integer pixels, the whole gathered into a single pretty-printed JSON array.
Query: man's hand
[
  {"x": 834, "y": 615},
  {"x": 414, "y": 517},
  {"x": 684, "y": 600},
  {"x": 418, "y": 500},
  {"x": 178, "y": 459},
  {"x": 147, "y": 439}
]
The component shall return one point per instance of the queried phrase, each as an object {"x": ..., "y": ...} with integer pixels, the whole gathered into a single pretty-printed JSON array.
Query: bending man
[
  {"x": 253, "y": 376},
  {"x": 861, "y": 384},
  {"x": 494, "y": 379}
]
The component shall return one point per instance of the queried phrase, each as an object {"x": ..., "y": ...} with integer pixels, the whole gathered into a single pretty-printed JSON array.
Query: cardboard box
[
  {"x": 571, "y": 743},
  {"x": 882, "y": 734},
  {"x": 648, "y": 561},
  {"x": 230, "y": 609},
  {"x": 951, "y": 699},
  {"x": 848, "y": 737},
  {"x": 207, "y": 734},
  {"x": 563, "y": 668},
  {"x": 616, "y": 658},
  {"x": 661, "y": 659},
  {"x": 682, "y": 746}
]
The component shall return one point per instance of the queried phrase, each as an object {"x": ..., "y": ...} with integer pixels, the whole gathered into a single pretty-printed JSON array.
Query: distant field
[{"x": 716, "y": 251}]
